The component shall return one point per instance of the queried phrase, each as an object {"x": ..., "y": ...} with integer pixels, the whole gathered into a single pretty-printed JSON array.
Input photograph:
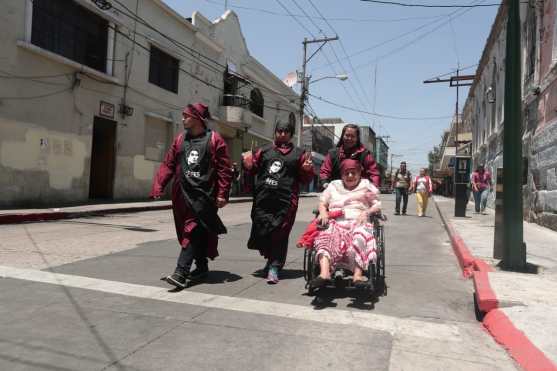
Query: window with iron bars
[
  {"x": 68, "y": 29},
  {"x": 163, "y": 70}
]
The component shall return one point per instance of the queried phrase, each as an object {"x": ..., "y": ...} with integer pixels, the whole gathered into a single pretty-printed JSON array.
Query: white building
[{"x": 90, "y": 98}]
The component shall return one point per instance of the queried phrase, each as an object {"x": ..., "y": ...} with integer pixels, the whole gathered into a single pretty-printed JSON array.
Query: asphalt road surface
[{"x": 86, "y": 294}]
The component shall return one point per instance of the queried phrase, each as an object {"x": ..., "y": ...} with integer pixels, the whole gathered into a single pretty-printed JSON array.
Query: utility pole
[
  {"x": 462, "y": 165},
  {"x": 514, "y": 248},
  {"x": 456, "y": 114},
  {"x": 455, "y": 81},
  {"x": 304, "y": 80}
]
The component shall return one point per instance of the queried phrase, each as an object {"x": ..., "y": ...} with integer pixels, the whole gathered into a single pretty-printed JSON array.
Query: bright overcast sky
[{"x": 391, "y": 51}]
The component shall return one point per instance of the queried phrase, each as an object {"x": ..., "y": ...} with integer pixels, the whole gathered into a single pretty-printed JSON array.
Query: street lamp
[
  {"x": 305, "y": 92},
  {"x": 305, "y": 80},
  {"x": 341, "y": 77}
]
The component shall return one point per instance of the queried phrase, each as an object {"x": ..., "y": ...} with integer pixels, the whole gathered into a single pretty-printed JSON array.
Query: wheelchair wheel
[
  {"x": 372, "y": 276},
  {"x": 380, "y": 274},
  {"x": 306, "y": 261},
  {"x": 311, "y": 269}
]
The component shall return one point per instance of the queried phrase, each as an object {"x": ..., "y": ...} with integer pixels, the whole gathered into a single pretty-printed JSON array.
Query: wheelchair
[{"x": 375, "y": 272}]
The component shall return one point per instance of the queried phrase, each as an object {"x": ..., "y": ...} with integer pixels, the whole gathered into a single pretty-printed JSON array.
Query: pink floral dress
[{"x": 346, "y": 242}]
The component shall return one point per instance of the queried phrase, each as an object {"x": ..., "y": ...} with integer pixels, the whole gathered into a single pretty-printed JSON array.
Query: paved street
[{"x": 85, "y": 294}]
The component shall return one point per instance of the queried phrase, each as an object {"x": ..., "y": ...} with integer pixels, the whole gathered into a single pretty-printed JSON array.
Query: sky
[{"x": 386, "y": 50}]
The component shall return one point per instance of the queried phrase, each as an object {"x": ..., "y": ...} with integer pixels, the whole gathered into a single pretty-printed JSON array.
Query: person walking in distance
[
  {"x": 481, "y": 186},
  {"x": 235, "y": 189},
  {"x": 423, "y": 187},
  {"x": 199, "y": 163},
  {"x": 279, "y": 168},
  {"x": 349, "y": 146},
  {"x": 401, "y": 181}
]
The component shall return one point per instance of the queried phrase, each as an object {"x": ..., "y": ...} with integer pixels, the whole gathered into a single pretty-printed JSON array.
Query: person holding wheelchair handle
[{"x": 348, "y": 240}]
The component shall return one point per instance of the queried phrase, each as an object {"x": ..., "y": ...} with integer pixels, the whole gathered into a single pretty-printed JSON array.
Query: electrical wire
[
  {"x": 453, "y": 71},
  {"x": 314, "y": 114},
  {"x": 196, "y": 55},
  {"x": 8, "y": 75},
  {"x": 332, "y": 19},
  {"x": 39, "y": 96},
  {"x": 334, "y": 53},
  {"x": 358, "y": 80},
  {"x": 400, "y": 36},
  {"x": 430, "y": 5},
  {"x": 418, "y": 38},
  {"x": 379, "y": 114},
  {"x": 311, "y": 34}
]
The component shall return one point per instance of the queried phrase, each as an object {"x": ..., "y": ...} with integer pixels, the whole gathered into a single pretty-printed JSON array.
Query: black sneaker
[
  {"x": 199, "y": 273},
  {"x": 397, "y": 213},
  {"x": 177, "y": 280}
]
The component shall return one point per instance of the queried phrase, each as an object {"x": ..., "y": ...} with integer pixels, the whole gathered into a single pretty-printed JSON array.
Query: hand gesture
[
  {"x": 363, "y": 217},
  {"x": 308, "y": 163},
  {"x": 247, "y": 159},
  {"x": 323, "y": 219},
  {"x": 221, "y": 202}
]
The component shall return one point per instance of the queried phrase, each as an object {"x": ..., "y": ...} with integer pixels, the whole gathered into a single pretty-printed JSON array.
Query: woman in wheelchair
[{"x": 346, "y": 241}]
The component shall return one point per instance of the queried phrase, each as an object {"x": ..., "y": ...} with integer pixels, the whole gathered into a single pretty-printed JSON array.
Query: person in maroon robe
[
  {"x": 199, "y": 163},
  {"x": 349, "y": 146},
  {"x": 278, "y": 168}
]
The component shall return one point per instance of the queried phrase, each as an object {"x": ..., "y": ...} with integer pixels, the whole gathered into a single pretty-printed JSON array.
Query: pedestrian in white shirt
[{"x": 423, "y": 188}]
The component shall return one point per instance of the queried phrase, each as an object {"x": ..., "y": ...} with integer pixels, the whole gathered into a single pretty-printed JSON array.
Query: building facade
[
  {"x": 485, "y": 106},
  {"x": 91, "y": 98}
]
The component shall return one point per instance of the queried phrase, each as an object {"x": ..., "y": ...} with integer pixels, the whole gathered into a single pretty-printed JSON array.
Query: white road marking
[{"x": 395, "y": 326}]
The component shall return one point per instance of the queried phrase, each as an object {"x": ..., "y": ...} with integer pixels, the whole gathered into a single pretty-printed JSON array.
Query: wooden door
[{"x": 103, "y": 157}]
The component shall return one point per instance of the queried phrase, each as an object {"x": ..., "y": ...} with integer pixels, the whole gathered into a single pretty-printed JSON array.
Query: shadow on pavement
[
  {"x": 285, "y": 274},
  {"x": 360, "y": 298},
  {"x": 133, "y": 228}
]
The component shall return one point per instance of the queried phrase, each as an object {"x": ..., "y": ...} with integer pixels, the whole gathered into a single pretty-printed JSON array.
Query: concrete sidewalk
[
  {"x": 12, "y": 216},
  {"x": 518, "y": 309}
]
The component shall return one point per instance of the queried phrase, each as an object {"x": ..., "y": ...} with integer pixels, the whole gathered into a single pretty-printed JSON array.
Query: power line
[
  {"x": 196, "y": 55},
  {"x": 453, "y": 71},
  {"x": 380, "y": 114},
  {"x": 311, "y": 33},
  {"x": 343, "y": 49},
  {"x": 38, "y": 96},
  {"x": 34, "y": 76},
  {"x": 418, "y": 38},
  {"x": 8, "y": 75},
  {"x": 332, "y": 19},
  {"x": 134, "y": 42},
  {"x": 400, "y": 36},
  {"x": 429, "y": 5},
  {"x": 321, "y": 123}
]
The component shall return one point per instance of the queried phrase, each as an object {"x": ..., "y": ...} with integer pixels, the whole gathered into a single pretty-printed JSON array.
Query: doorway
[{"x": 103, "y": 156}]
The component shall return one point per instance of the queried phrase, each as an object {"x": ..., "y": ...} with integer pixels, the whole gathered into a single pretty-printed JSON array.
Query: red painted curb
[
  {"x": 485, "y": 296},
  {"x": 520, "y": 348},
  {"x": 37, "y": 217},
  {"x": 516, "y": 343},
  {"x": 464, "y": 257},
  {"x": 482, "y": 266}
]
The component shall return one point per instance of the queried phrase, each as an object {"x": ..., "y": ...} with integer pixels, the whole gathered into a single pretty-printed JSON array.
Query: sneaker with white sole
[{"x": 272, "y": 276}]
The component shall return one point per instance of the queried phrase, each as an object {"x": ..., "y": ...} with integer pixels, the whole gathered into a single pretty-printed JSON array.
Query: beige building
[{"x": 91, "y": 98}]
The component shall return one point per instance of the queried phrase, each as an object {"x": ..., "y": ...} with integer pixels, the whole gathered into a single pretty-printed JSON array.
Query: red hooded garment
[
  {"x": 369, "y": 165},
  {"x": 184, "y": 218}
]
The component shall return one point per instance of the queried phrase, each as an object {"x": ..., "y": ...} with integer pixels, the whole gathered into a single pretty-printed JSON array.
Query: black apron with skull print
[
  {"x": 197, "y": 181},
  {"x": 272, "y": 194}
]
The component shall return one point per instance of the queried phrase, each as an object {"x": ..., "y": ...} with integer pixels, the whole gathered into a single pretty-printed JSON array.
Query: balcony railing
[{"x": 231, "y": 100}]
